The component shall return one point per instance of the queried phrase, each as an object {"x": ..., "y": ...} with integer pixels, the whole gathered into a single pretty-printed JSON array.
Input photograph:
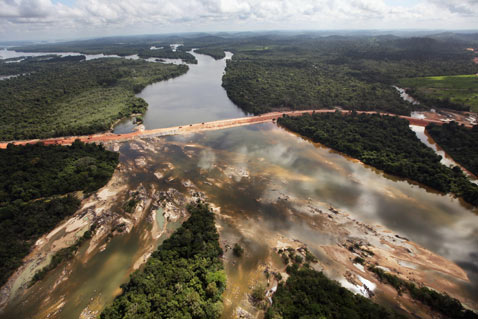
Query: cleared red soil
[{"x": 192, "y": 128}]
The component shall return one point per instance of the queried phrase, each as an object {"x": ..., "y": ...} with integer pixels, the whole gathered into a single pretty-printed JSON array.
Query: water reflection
[
  {"x": 194, "y": 97},
  {"x": 280, "y": 163},
  {"x": 257, "y": 175}
]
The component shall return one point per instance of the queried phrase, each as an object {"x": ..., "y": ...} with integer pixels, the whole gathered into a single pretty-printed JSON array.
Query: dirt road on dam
[{"x": 193, "y": 128}]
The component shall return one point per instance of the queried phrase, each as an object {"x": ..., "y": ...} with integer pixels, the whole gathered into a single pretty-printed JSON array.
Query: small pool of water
[{"x": 160, "y": 218}]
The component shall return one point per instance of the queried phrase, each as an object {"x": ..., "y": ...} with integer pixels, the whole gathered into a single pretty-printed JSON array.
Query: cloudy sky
[{"x": 69, "y": 19}]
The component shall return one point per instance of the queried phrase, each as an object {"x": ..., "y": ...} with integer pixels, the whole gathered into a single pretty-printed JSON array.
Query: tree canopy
[
  {"x": 183, "y": 278},
  {"x": 60, "y": 96},
  {"x": 267, "y": 74},
  {"x": 459, "y": 142},
  {"x": 35, "y": 182},
  {"x": 310, "y": 294}
]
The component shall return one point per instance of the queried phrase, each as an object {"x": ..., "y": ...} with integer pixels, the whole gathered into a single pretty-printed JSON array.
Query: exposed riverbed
[{"x": 270, "y": 189}]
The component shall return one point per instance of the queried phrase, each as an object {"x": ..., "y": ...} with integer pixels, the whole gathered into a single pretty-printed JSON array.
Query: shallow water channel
[{"x": 265, "y": 183}]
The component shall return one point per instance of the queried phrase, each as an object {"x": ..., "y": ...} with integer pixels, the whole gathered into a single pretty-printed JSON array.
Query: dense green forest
[
  {"x": 458, "y": 141},
  {"x": 216, "y": 53},
  {"x": 260, "y": 86},
  {"x": 310, "y": 294},
  {"x": 350, "y": 72},
  {"x": 34, "y": 171},
  {"x": 168, "y": 53},
  {"x": 385, "y": 142},
  {"x": 183, "y": 278},
  {"x": 34, "y": 183},
  {"x": 64, "y": 96},
  {"x": 442, "y": 303},
  {"x": 459, "y": 92}
]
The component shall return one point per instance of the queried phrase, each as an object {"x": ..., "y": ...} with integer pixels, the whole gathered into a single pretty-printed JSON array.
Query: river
[
  {"x": 194, "y": 97},
  {"x": 270, "y": 188}
]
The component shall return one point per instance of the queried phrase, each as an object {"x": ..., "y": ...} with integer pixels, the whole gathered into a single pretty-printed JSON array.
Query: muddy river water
[{"x": 269, "y": 189}]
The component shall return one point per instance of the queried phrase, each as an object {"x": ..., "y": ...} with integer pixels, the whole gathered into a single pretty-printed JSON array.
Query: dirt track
[{"x": 192, "y": 128}]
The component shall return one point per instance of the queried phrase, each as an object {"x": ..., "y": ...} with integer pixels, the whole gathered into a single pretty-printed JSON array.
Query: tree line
[
  {"x": 35, "y": 186},
  {"x": 441, "y": 303},
  {"x": 459, "y": 142},
  {"x": 141, "y": 47}
]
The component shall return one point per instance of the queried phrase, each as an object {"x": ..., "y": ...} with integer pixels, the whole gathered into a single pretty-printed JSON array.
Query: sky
[{"x": 71, "y": 19}]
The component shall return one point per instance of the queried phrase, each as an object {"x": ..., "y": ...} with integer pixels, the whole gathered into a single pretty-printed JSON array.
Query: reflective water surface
[{"x": 194, "y": 97}]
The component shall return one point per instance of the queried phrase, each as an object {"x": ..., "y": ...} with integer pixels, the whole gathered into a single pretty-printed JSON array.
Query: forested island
[
  {"x": 168, "y": 53},
  {"x": 144, "y": 47},
  {"x": 183, "y": 278},
  {"x": 459, "y": 142},
  {"x": 216, "y": 53},
  {"x": 36, "y": 183},
  {"x": 310, "y": 294},
  {"x": 387, "y": 143},
  {"x": 63, "y": 96}
]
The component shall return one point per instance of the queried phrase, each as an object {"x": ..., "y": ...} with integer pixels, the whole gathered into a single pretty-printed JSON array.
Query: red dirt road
[{"x": 192, "y": 128}]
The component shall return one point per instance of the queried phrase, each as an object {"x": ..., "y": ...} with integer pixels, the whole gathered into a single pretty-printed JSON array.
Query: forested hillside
[
  {"x": 64, "y": 96},
  {"x": 385, "y": 142},
  {"x": 34, "y": 183},
  {"x": 459, "y": 142},
  {"x": 184, "y": 278}
]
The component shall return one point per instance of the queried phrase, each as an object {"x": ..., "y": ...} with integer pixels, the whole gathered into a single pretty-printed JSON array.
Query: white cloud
[
  {"x": 467, "y": 7},
  {"x": 33, "y": 18}
]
